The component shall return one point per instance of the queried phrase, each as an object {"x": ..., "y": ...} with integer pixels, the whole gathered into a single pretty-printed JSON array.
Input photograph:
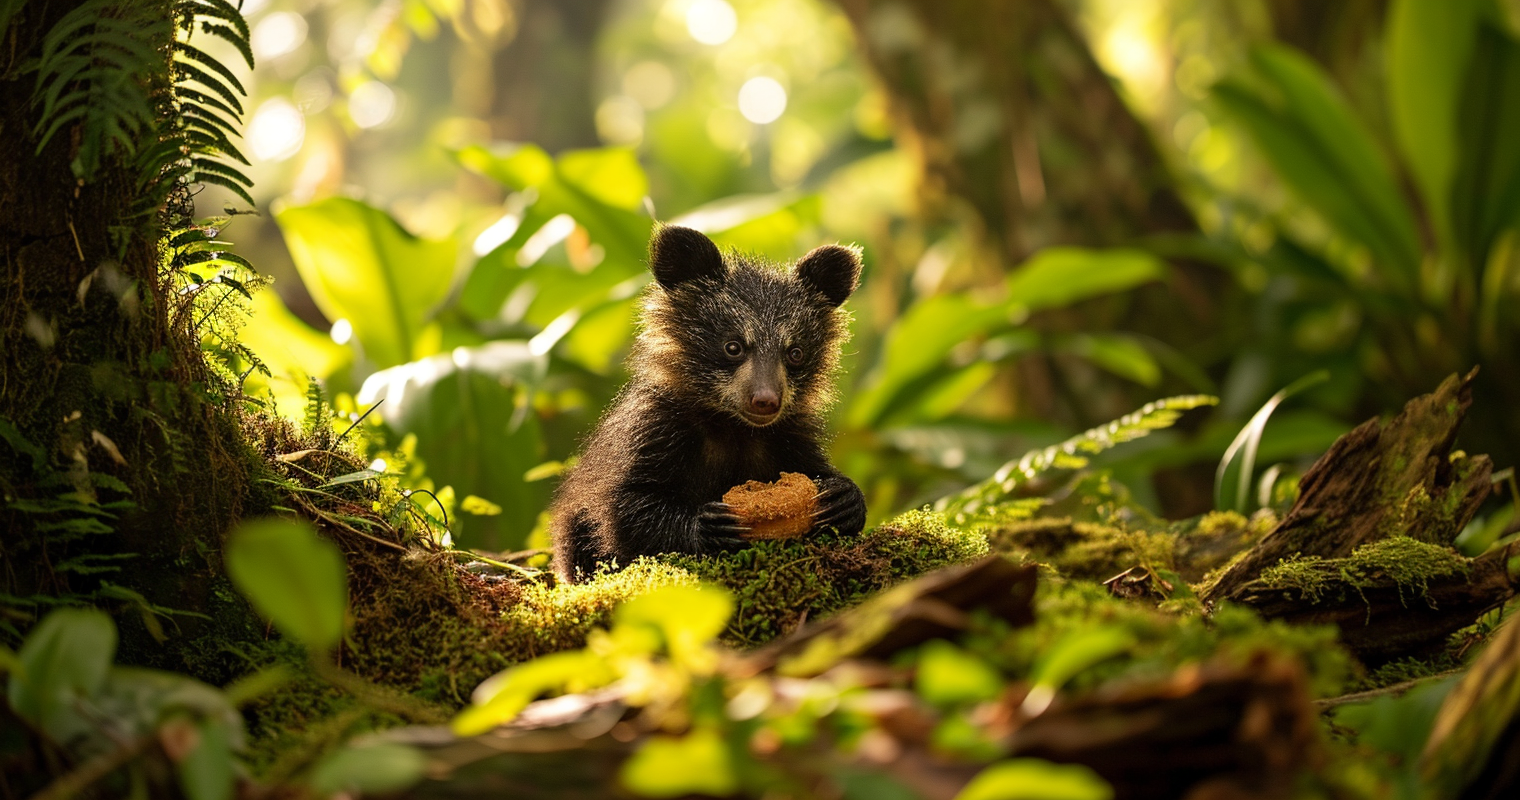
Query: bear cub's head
[{"x": 741, "y": 337}]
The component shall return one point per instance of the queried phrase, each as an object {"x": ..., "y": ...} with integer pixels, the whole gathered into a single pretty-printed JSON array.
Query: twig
[
  {"x": 1394, "y": 690},
  {"x": 357, "y": 421},
  {"x": 429, "y": 493}
]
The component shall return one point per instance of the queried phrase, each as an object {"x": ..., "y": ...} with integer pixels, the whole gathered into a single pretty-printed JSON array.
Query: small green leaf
[
  {"x": 948, "y": 675},
  {"x": 368, "y": 769},
  {"x": 206, "y": 773},
  {"x": 1073, "y": 654},
  {"x": 667, "y": 766},
  {"x": 65, "y": 658},
  {"x": 504, "y": 695},
  {"x": 1239, "y": 459},
  {"x": 292, "y": 576},
  {"x": 688, "y": 617},
  {"x": 1034, "y": 779},
  {"x": 480, "y": 506}
]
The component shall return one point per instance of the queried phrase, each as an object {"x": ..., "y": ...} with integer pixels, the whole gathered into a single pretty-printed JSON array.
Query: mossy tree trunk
[{"x": 121, "y": 461}]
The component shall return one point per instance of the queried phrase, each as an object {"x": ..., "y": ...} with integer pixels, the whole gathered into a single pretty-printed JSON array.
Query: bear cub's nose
[{"x": 765, "y": 402}]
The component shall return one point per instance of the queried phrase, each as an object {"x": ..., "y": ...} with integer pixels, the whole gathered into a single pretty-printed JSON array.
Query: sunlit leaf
[
  {"x": 689, "y": 617},
  {"x": 504, "y": 695},
  {"x": 368, "y": 769},
  {"x": 1072, "y": 654},
  {"x": 948, "y": 675},
  {"x": 360, "y": 265},
  {"x": 476, "y": 431},
  {"x": 1119, "y": 354},
  {"x": 611, "y": 175},
  {"x": 64, "y": 659},
  {"x": 292, "y": 576},
  {"x": 1034, "y": 779},
  {"x": 666, "y": 766}
]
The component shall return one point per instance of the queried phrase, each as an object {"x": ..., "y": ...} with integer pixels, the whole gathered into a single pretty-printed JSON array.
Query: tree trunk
[
  {"x": 545, "y": 77},
  {"x": 1009, "y": 114},
  {"x": 122, "y": 461}
]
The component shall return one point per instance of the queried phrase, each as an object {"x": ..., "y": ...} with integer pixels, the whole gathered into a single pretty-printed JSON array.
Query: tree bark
[
  {"x": 104, "y": 396},
  {"x": 545, "y": 77},
  {"x": 1010, "y": 115}
]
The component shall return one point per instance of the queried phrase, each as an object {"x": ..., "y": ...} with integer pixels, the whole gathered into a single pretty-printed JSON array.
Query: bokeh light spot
[
  {"x": 711, "y": 21},
  {"x": 651, "y": 83},
  {"x": 762, "y": 100},
  {"x": 342, "y": 331},
  {"x": 371, "y": 104},
  {"x": 276, "y": 131},
  {"x": 277, "y": 34}
]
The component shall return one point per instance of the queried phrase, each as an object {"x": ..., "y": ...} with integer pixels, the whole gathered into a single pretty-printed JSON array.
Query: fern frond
[{"x": 992, "y": 498}]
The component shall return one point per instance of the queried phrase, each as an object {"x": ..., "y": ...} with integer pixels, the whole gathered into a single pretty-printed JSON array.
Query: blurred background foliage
[{"x": 1068, "y": 207}]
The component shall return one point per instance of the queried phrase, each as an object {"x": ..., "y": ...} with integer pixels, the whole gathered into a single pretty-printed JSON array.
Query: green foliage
[
  {"x": 990, "y": 501},
  {"x": 64, "y": 659},
  {"x": 293, "y": 577},
  {"x": 100, "y": 74},
  {"x": 1239, "y": 458},
  {"x": 367, "y": 769},
  {"x": 1409, "y": 563},
  {"x": 670, "y": 766},
  {"x": 1033, "y": 779}
]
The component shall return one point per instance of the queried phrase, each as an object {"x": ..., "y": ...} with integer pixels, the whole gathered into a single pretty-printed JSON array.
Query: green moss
[
  {"x": 1303, "y": 573},
  {"x": 1086, "y": 550},
  {"x": 778, "y": 585},
  {"x": 1220, "y": 522},
  {"x": 1408, "y": 563}
]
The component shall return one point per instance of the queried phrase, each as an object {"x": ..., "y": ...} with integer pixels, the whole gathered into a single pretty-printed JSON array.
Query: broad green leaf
[
  {"x": 360, "y": 265},
  {"x": 688, "y": 617},
  {"x": 64, "y": 659},
  {"x": 1122, "y": 355},
  {"x": 206, "y": 773},
  {"x": 290, "y": 348},
  {"x": 1426, "y": 53},
  {"x": 666, "y": 766},
  {"x": 1304, "y": 129},
  {"x": 476, "y": 431},
  {"x": 1060, "y": 276},
  {"x": 1034, "y": 779},
  {"x": 1486, "y": 195},
  {"x": 504, "y": 695},
  {"x": 292, "y": 576},
  {"x": 948, "y": 675},
  {"x": 567, "y": 186},
  {"x": 368, "y": 770},
  {"x": 610, "y": 175},
  {"x": 921, "y": 340}
]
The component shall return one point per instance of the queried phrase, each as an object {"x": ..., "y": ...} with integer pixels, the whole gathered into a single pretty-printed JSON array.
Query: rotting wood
[{"x": 1400, "y": 476}]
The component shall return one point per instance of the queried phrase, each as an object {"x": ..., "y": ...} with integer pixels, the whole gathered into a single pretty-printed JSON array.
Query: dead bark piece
[
  {"x": 1244, "y": 730},
  {"x": 938, "y": 605},
  {"x": 1381, "y": 479},
  {"x": 1380, "y": 615}
]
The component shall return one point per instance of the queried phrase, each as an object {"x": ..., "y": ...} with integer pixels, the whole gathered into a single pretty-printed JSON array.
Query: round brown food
[{"x": 779, "y": 510}]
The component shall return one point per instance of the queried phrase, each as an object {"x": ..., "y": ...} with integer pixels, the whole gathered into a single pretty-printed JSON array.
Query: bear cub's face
[{"x": 743, "y": 338}]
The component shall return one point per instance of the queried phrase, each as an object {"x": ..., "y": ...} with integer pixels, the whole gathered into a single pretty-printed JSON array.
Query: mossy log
[
  {"x": 1381, "y": 611},
  {"x": 1381, "y": 479}
]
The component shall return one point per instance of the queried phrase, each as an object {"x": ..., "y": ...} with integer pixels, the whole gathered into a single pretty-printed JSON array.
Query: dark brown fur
[{"x": 695, "y": 419}]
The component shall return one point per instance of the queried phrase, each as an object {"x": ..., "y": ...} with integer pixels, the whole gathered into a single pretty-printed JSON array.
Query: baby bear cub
[{"x": 731, "y": 374}]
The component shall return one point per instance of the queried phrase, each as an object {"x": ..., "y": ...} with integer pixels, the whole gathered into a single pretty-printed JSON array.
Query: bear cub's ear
[
  {"x": 832, "y": 270},
  {"x": 678, "y": 254}
]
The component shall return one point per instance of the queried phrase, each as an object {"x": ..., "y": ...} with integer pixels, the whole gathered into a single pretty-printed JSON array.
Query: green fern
[
  {"x": 990, "y": 501},
  {"x": 101, "y": 74}
]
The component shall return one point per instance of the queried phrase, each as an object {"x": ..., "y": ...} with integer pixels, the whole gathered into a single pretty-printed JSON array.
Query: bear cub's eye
[
  {"x": 733, "y": 349},
  {"x": 794, "y": 355}
]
